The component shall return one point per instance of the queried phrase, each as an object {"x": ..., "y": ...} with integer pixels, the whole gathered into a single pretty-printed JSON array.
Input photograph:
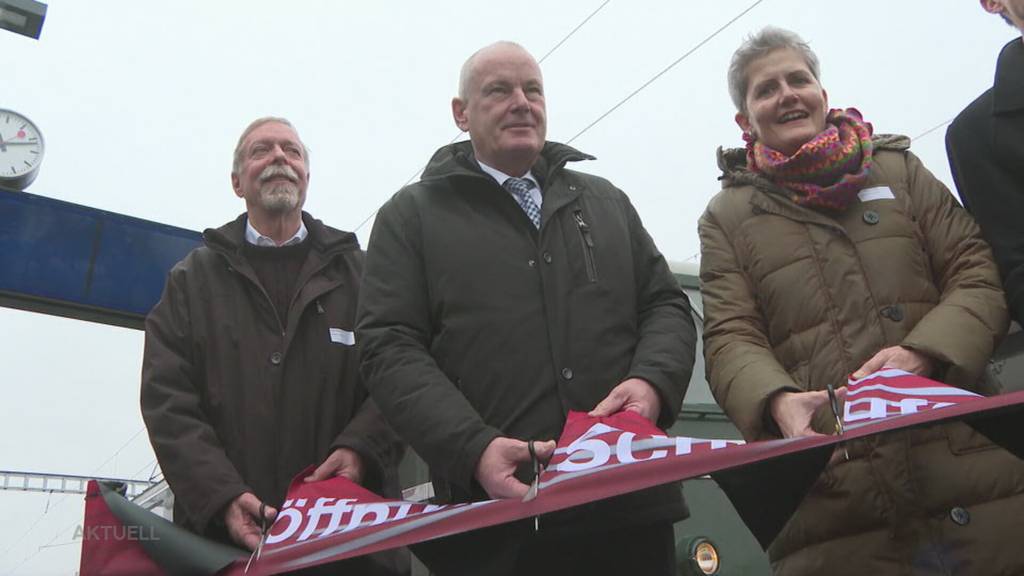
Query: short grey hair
[
  {"x": 236, "y": 166},
  {"x": 758, "y": 45},
  {"x": 469, "y": 66}
]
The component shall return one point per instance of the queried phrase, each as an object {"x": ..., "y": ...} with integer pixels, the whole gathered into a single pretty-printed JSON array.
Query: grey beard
[{"x": 279, "y": 197}]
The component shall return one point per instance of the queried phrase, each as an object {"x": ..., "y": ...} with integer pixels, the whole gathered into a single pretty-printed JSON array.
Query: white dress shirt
[
  {"x": 500, "y": 176},
  {"x": 253, "y": 236}
]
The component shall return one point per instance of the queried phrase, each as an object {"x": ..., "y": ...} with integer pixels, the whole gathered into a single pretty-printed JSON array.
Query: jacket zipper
[
  {"x": 266, "y": 296},
  {"x": 587, "y": 242}
]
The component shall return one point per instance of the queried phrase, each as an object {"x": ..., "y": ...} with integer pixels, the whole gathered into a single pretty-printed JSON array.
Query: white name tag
[
  {"x": 339, "y": 336},
  {"x": 876, "y": 193}
]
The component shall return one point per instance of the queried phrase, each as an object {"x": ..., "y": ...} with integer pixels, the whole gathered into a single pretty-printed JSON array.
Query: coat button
[
  {"x": 871, "y": 217},
  {"x": 567, "y": 373},
  {"x": 531, "y": 263},
  {"x": 960, "y": 516},
  {"x": 894, "y": 312},
  {"x": 276, "y": 358},
  {"x": 547, "y": 257}
]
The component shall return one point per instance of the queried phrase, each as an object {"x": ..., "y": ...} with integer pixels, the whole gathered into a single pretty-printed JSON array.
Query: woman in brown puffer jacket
[{"x": 830, "y": 251}]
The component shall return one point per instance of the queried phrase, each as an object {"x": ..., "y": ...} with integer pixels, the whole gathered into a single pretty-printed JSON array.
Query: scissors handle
[{"x": 535, "y": 484}]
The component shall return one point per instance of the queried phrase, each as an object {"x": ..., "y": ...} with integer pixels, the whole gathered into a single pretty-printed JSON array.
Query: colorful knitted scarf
[{"x": 827, "y": 171}]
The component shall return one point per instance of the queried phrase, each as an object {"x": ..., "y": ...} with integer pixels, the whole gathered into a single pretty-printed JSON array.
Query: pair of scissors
[
  {"x": 535, "y": 485},
  {"x": 834, "y": 403},
  {"x": 263, "y": 537}
]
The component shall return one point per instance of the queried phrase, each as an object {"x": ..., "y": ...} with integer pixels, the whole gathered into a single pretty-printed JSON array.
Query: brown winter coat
[{"x": 795, "y": 299}]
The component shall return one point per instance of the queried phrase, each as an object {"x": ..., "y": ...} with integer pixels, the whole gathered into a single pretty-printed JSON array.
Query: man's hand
[
  {"x": 792, "y": 411},
  {"x": 897, "y": 357},
  {"x": 497, "y": 466},
  {"x": 242, "y": 518},
  {"x": 635, "y": 395},
  {"x": 342, "y": 462}
]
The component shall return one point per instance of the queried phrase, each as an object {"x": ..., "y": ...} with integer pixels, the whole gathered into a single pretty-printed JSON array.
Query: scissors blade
[
  {"x": 251, "y": 557},
  {"x": 532, "y": 492},
  {"x": 263, "y": 538},
  {"x": 263, "y": 529},
  {"x": 834, "y": 403},
  {"x": 840, "y": 430}
]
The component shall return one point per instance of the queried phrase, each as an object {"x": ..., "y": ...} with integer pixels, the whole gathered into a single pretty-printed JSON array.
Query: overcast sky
[{"x": 141, "y": 103}]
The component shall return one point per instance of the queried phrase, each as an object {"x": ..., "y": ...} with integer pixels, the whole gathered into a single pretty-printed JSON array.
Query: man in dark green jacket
[
  {"x": 502, "y": 291},
  {"x": 250, "y": 371}
]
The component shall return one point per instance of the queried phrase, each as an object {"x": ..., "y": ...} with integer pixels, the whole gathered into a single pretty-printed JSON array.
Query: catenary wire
[
  {"x": 930, "y": 130},
  {"x": 58, "y": 503},
  {"x": 457, "y": 135},
  {"x": 666, "y": 69}
]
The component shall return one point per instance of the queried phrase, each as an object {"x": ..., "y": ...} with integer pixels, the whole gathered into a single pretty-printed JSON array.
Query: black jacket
[
  {"x": 475, "y": 325},
  {"x": 235, "y": 402},
  {"x": 986, "y": 154}
]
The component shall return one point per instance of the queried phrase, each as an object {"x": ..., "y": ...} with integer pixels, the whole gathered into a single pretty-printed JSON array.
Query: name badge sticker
[
  {"x": 344, "y": 337},
  {"x": 876, "y": 193}
]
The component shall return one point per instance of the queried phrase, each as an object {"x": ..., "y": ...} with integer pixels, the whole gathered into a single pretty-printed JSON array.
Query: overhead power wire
[
  {"x": 61, "y": 501},
  {"x": 573, "y": 31},
  {"x": 932, "y": 129},
  {"x": 665, "y": 70},
  {"x": 361, "y": 224},
  {"x": 457, "y": 135}
]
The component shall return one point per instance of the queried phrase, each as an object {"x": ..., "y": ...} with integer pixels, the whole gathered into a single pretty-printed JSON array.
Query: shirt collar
[
  {"x": 501, "y": 176},
  {"x": 253, "y": 236}
]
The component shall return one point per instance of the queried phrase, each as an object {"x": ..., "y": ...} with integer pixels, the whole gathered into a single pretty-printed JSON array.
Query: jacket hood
[
  {"x": 733, "y": 161},
  {"x": 458, "y": 160},
  {"x": 228, "y": 239}
]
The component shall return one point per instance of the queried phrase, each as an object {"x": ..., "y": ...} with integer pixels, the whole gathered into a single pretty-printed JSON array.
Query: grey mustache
[{"x": 278, "y": 170}]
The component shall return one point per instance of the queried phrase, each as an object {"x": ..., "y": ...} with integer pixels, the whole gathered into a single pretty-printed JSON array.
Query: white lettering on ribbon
[{"x": 624, "y": 450}]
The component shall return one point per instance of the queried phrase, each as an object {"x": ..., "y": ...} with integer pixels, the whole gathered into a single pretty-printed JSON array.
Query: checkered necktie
[{"x": 520, "y": 189}]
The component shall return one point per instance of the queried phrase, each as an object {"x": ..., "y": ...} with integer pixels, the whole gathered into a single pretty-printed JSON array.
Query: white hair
[{"x": 236, "y": 166}]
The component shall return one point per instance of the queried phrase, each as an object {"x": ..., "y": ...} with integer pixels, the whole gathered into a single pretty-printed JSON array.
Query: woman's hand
[
  {"x": 792, "y": 411},
  {"x": 897, "y": 357}
]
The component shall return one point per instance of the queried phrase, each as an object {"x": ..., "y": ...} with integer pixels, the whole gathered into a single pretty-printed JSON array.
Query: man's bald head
[
  {"x": 469, "y": 66},
  {"x": 501, "y": 105}
]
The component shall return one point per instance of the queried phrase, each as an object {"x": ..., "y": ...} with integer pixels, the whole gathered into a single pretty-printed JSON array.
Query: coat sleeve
[
  {"x": 964, "y": 328},
  {"x": 376, "y": 443},
  {"x": 191, "y": 456},
  {"x": 742, "y": 370},
  {"x": 996, "y": 201},
  {"x": 667, "y": 336},
  {"x": 394, "y": 326}
]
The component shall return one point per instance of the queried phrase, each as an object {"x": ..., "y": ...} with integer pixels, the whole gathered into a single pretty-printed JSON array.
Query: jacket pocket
[{"x": 587, "y": 243}]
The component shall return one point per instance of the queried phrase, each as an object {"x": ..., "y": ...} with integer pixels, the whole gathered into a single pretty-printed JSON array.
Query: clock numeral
[
  {"x": 27, "y": 163},
  {"x": 33, "y": 152},
  {"x": 13, "y": 170},
  {"x": 33, "y": 139},
  {"x": 23, "y": 126}
]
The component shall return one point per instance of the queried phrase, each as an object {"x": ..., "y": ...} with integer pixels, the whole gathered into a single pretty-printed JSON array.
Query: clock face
[{"x": 21, "y": 146}]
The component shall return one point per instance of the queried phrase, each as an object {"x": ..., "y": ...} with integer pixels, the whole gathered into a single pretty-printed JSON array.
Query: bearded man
[{"x": 250, "y": 372}]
